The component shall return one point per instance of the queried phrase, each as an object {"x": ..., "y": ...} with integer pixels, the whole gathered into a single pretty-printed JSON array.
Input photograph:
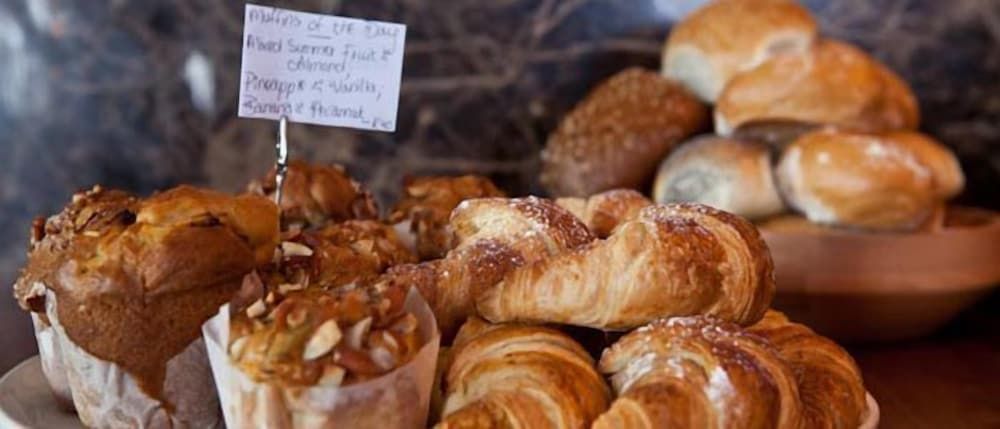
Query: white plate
[{"x": 27, "y": 402}]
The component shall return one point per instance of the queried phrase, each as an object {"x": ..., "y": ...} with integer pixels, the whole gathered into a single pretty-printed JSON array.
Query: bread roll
[
  {"x": 728, "y": 36},
  {"x": 872, "y": 181},
  {"x": 615, "y": 136},
  {"x": 728, "y": 174},
  {"x": 834, "y": 83}
]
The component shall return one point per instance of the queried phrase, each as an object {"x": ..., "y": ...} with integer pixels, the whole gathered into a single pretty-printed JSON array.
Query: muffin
[
  {"x": 315, "y": 195},
  {"x": 125, "y": 284}
]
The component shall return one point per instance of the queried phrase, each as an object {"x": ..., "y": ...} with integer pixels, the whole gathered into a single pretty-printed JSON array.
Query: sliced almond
[
  {"x": 357, "y": 332},
  {"x": 390, "y": 340},
  {"x": 256, "y": 309},
  {"x": 333, "y": 375},
  {"x": 363, "y": 246},
  {"x": 270, "y": 298},
  {"x": 289, "y": 287},
  {"x": 291, "y": 248},
  {"x": 92, "y": 233},
  {"x": 383, "y": 358},
  {"x": 237, "y": 347},
  {"x": 323, "y": 340},
  {"x": 405, "y": 324}
]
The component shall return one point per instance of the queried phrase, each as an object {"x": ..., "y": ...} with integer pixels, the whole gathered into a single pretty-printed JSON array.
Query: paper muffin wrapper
[
  {"x": 399, "y": 399},
  {"x": 106, "y": 396},
  {"x": 52, "y": 365}
]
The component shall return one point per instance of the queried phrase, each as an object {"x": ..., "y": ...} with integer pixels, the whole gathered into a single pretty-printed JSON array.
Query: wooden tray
[{"x": 858, "y": 287}]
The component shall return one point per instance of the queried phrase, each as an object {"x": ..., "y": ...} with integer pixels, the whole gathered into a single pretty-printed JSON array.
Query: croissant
[
  {"x": 671, "y": 260},
  {"x": 604, "y": 211},
  {"x": 517, "y": 376},
  {"x": 830, "y": 387},
  {"x": 494, "y": 236},
  {"x": 698, "y": 372}
]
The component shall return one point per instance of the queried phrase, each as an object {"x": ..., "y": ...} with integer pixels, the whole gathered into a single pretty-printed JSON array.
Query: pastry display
[
  {"x": 725, "y": 173},
  {"x": 725, "y": 37},
  {"x": 892, "y": 181},
  {"x": 125, "y": 283},
  {"x": 671, "y": 260},
  {"x": 504, "y": 376},
  {"x": 699, "y": 372},
  {"x": 317, "y": 194},
  {"x": 426, "y": 205},
  {"x": 615, "y": 137},
  {"x": 493, "y": 237}
]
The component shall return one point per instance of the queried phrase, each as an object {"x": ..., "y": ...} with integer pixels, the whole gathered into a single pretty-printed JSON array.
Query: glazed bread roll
[
  {"x": 518, "y": 376},
  {"x": 671, "y": 260},
  {"x": 494, "y": 237},
  {"x": 834, "y": 84},
  {"x": 888, "y": 181},
  {"x": 615, "y": 136},
  {"x": 698, "y": 372},
  {"x": 604, "y": 211},
  {"x": 726, "y": 37},
  {"x": 315, "y": 195},
  {"x": 426, "y": 206},
  {"x": 728, "y": 174}
]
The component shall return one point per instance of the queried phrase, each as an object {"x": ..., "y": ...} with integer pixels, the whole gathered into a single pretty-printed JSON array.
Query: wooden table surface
[{"x": 949, "y": 380}]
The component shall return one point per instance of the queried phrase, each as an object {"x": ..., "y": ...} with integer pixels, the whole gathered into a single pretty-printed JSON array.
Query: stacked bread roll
[{"x": 803, "y": 122}]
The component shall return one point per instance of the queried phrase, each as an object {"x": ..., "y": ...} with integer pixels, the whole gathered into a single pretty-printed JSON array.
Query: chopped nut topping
[
  {"x": 356, "y": 333},
  {"x": 288, "y": 287},
  {"x": 237, "y": 347},
  {"x": 332, "y": 376},
  {"x": 256, "y": 309},
  {"x": 291, "y": 248},
  {"x": 323, "y": 340}
]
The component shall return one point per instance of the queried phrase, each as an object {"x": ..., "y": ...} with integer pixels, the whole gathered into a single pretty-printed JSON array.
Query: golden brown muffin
[
  {"x": 135, "y": 279},
  {"x": 315, "y": 195},
  {"x": 314, "y": 336},
  {"x": 427, "y": 204}
]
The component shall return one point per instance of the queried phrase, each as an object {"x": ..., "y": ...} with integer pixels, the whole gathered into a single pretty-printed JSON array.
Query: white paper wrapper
[
  {"x": 399, "y": 399},
  {"x": 106, "y": 396},
  {"x": 52, "y": 364}
]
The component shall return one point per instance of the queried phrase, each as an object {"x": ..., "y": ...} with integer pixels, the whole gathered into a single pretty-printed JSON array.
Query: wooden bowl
[{"x": 862, "y": 287}]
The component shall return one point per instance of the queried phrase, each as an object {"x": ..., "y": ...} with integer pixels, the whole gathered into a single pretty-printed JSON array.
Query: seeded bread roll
[
  {"x": 726, "y": 37},
  {"x": 135, "y": 279},
  {"x": 728, "y": 174},
  {"x": 311, "y": 336},
  {"x": 832, "y": 84},
  {"x": 315, "y": 195},
  {"x": 615, "y": 137},
  {"x": 890, "y": 181}
]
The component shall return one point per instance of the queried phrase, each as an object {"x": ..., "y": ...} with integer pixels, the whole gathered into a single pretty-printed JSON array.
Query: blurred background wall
[{"x": 142, "y": 94}]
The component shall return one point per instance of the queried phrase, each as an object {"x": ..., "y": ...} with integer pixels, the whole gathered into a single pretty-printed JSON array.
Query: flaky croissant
[
  {"x": 830, "y": 387},
  {"x": 495, "y": 236},
  {"x": 671, "y": 260},
  {"x": 604, "y": 211},
  {"x": 699, "y": 372},
  {"x": 518, "y": 376}
]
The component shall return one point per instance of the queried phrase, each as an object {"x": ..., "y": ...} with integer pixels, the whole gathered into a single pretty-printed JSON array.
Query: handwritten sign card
[{"x": 320, "y": 69}]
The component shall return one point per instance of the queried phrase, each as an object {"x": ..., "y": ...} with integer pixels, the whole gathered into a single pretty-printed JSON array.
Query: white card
[{"x": 320, "y": 69}]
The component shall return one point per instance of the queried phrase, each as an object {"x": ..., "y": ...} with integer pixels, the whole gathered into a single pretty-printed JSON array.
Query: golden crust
[
  {"x": 126, "y": 271},
  {"x": 829, "y": 382},
  {"x": 427, "y": 203},
  {"x": 726, "y": 37},
  {"x": 832, "y": 84},
  {"x": 690, "y": 372},
  {"x": 672, "y": 260},
  {"x": 315, "y": 195},
  {"x": 889, "y": 181},
  {"x": 615, "y": 137},
  {"x": 520, "y": 376},
  {"x": 604, "y": 211}
]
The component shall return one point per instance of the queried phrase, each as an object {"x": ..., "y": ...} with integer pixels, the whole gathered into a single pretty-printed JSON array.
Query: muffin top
[
  {"x": 314, "y": 336},
  {"x": 316, "y": 195}
]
